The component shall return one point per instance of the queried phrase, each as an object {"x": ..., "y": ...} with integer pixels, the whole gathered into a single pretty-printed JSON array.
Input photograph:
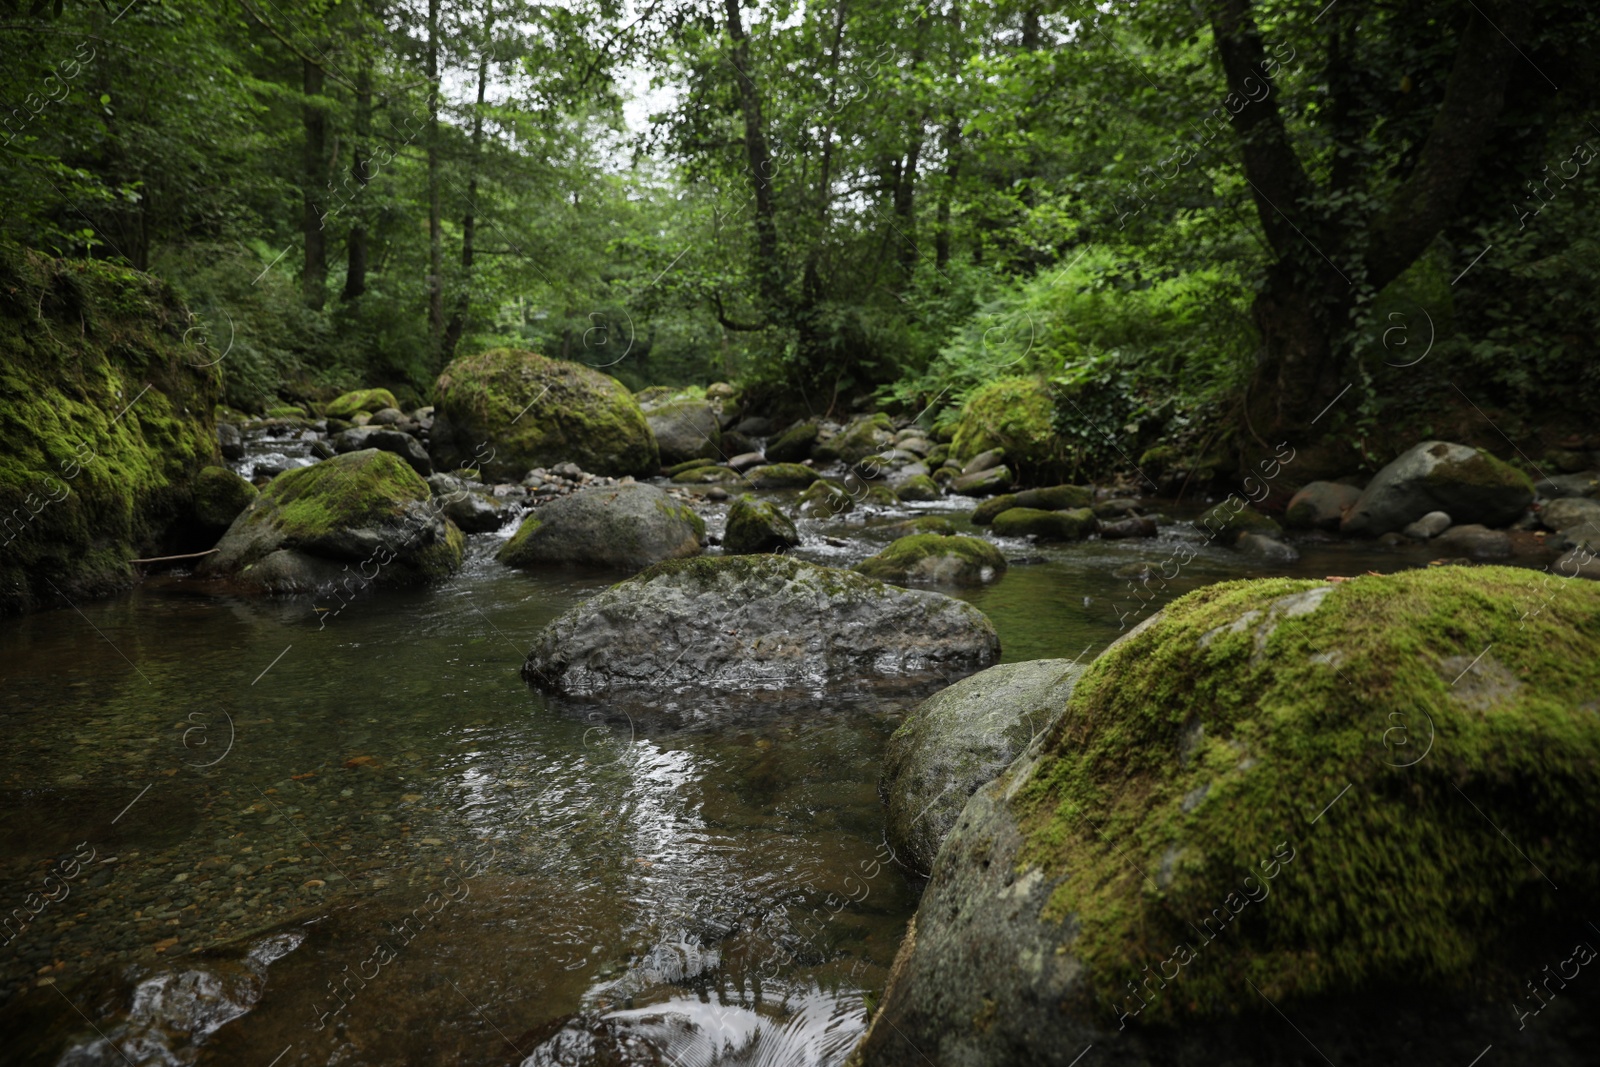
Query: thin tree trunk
[
  {"x": 314, "y": 278},
  {"x": 759, "y": 159},
  {"x": 469, "y": 220},
  {"x": 355, "y": 275},
  {"x": 435, "y": 220}
]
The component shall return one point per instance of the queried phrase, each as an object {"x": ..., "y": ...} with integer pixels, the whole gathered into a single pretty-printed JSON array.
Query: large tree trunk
[
  {"x": 314, "y": 183},
  {"x": 355, "y": 275},
  {"x": 435, "y": 220},
  {"x": 1326, "y": 265}
]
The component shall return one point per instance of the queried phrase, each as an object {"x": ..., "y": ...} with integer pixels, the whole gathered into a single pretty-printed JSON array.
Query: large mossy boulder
[
  {"x": 1359, "y": 798},
  {"x": 1016, "y": 415},
  {"x": 1468, "y": 484},
  {"x": 622, "y": 527},
  {"x": 752, "y": 623},
  {"x": 685, "y": 428},
  {"x": 367, "y": 400},
  {"x": 507, "y": 410},
  {"x": 757, "y": 526},
  {"x": 220, "y": 495},
  {"x": 106, "y": 418},
  {"x": 859, "y": 439},
  {"x": 356, "y": 518},
  {"x": 1074, "y": 525},
  {"x": 936, "y": 560},
  {"x": 960, "y": 739}
]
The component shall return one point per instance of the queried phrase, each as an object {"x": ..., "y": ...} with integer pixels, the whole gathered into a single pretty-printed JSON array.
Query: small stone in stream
[
  {"x": 781, "y": 476},
  {"x": 984, "y": 482},
  {"x": 1577, "y": 517},
  {"x": 626, "y": 527},
  {"x": 567, "y": 470},
  {"x": 1226, "y": 521},
  {"x": 920, "y": 488},
  {"x": 1133, "y": 526},
  {"x": 322, "y": 449},
  {"x": 936, "y": 559},
  {"x": 984, "y": 461},
  {"x": 1266, "y": 549},
  {"x": 758, "y": 526},
  {"x": 716, "y": 492},
  {"x": 230, "y": 441},
  {"x": 746, "y": 460},
  {"x": 1475, "y": 541},
  {"x": 1430, "y": 525},
  {"x": 386, "y": 417},
  {"x": 1320, "y": 505},
  {"x": 1072, "y": 525},
  {"x": 1117, "y": 507}
]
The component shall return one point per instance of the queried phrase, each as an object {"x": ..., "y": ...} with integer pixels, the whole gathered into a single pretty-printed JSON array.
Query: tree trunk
[
  {"x": 435, "y": 220},
  {"x": 758, "y": 158},
  {"x": 905, "y": 210},
  {"x": 314, "y": 278},
  {"x": 355, "y": 275},
  {"x": 469, "y": 220}
]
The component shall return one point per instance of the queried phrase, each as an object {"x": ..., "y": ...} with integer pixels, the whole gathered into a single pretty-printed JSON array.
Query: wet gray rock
[
  {"x": 751, "y": 623},
  {"x": 685, "y": 429},
  {"x": 230, "y": 441},
  {"x": 1474, "y": 541},
  {"x": 1586, "y": 483},
  {"x": 984, "y": 482},
  {"x": 984, "y": 461},
  {"x": 795, "y": 444},
  {"x": 1468, "y": 483},
  {"x": 1578, "y": 518},
  {"x": 1430, "y": 525},
  {"x": 1267, "y": 549},
  {"x": 1320, "y": 505},
  {"x": 622, "y": 527},
  {"x": 470, "y": 505},
  {"x": 957, "y": 741},
  {"x": 403, "y": 445}
]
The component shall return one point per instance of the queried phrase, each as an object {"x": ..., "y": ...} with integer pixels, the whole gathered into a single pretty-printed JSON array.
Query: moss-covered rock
[
  {"x": 794, "y": 444},
  {"x": 1074, "y": 525},
  {"x": 509, "y": 410},
  {"x": 937, "y": 560},
  {"x": 709, "y": 475},
  {"x": 985, "y": 482},
  {"x": 1017, "y": 415},
  {"x": 357, "y": 518},
  {"x": 368, "y": 400},
  {"x": 220, "y": 496},
  {"x": 781, "y": 476},
  {"x": 1226, "y": 521},
  {"x": 1468, "y": 484},
  {"x": 685, "y": 428},
  {"x": 757, "y": 526},
  {"x": 922, "y": 524},
  {"x": 984, "y": 513},
  {"x": 1356, "y": 794},
  {"x": 860, "y": 439},
  {"x": 624, "y": 527},
  {"x": 825, "y": 498},
  {"x": 106, "y": 418},
  {"x": 918, "y": 489},
  {"x": 687, "y": 465}
]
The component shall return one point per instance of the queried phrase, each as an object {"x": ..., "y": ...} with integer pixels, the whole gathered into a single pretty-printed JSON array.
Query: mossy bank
[{"x": 105, "y": 419}]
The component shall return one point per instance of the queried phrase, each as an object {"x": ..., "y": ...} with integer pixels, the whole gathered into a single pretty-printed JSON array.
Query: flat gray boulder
[
  {"x": 387, "y": 439},
  {"x": 959, "y": 740},
  {"x": 764, "y": 622},
  {"x": 1468, "y": 483},
  {"x": 622, "y": 527},
  {"x": 685, "y": 429}
]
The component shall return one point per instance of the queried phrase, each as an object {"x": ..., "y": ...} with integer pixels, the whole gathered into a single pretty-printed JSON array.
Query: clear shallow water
[{"x": 367, "y": 841}]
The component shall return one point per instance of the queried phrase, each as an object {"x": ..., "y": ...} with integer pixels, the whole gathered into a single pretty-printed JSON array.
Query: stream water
[{"x": 275, "y": 842}]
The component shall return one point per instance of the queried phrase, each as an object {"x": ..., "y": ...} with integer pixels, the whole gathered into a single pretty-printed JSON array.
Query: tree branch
[
  {"x": 728, "y": 324},
  {"x": 1473, "y": 101}
]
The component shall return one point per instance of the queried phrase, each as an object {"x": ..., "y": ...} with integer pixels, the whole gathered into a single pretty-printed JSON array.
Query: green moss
[
  {"x": 857, "y": 441},
  {"x": 688, "y": 465},
  {"x": 286, "y": 411},
  {"x": 106, "y": 416},
  {"x": 918, "y": 488},
  {"x": 781, "y": 476},
  {"x": 923, "y": 524},
  {"x": 511, "y": 410},
  {"x": 709, "y": 475},
  {"x": 1015, "y": 414},
  {"x": 932, "y": 557},
  {"x": 219, "y": 496},
  {"x": 368, "y": 400},
  {"x": 1057, "y": 497},
  {"x": 735, "y": 572},
  {"x": 1484, "y": 470},
  {"x": 984, "y": 513},
  {"x": 794, "y": 444},
  {"x": 1248, "y": 720},
  {"x": 1046, "y": 525},
  {"x": 677, "y": 509},
  {"x": 757, "y": 526},
  {"x": 824, "y": 499},
  {"x": 1227, "y": 520},
  {"x": 352, "y": 490}
]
